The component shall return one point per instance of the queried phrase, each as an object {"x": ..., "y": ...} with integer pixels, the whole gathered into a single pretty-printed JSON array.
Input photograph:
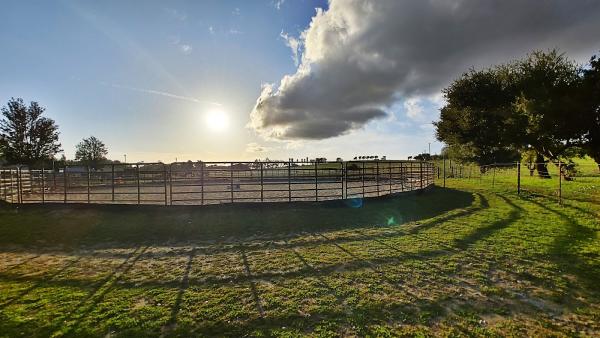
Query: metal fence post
[
  {"x": 137, "y": 170},
  {"x": 420, "y": 174},
  {"x": 231, "y": 179},
  {"x": 43, "y": 186},
  {"x": 12, "y": 187},
  {"x": 165, "y": 182},
  {"x": 261, "y": 183},
  {"x": 493, "y": 175},
  {"x": 65, "y": 174},
  {"x": 402, "y": 176},
  {"x": 171, "y": 183},
  {"x": 363, "y": 179},
  {"x": 377, "y": 176},
  {"x": 3, "y": 185},
  {"x": 444, "y": 172},
  {"x": 344, "y": 181},
  {"x": 19, "y": 187},
  {"x": 390, "y": 167},
  {"x": 289, "y": 181},
  {"x": 559, "y": 182},
  {"x": 112, "y": 181},
  {"x": 518, "y": 178},
  {"x": 202, "y": 173},
  {"x": 88, "y": 183},
  {"x": 316, "y": 182}
]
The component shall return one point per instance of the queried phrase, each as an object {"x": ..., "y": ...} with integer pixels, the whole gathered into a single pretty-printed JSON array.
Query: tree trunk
[
  {"x": 531, "y": 168},
  {"x": 541, "y": 166}
]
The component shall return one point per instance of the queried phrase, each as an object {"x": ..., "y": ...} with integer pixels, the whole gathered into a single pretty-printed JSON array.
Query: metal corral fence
[
  {"x": 577, "y": 182},
  {"x": 202, "y": 183}
]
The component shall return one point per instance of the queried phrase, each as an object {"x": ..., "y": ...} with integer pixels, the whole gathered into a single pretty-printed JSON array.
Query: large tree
[
  {"x": 477, "y": 123},
  {"x": 28, "y": 137},
  {"x": 527, "y": 104},
  {"x": 591, "y": 114},
  {"x": 91, "y": 151},
  {"x": 548, "y": 106}
]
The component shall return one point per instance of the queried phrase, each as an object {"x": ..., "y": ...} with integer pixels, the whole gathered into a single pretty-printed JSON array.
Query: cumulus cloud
[{"x": 360, "y": 56}]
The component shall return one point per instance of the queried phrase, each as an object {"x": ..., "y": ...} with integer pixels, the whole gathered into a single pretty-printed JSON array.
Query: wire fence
[
  {"x": 552, "y": 179},
  {"x": 201, "y": 183}
]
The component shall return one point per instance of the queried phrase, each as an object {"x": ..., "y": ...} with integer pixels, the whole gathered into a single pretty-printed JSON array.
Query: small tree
[
  {"x": 91, "y": 151},
  {"x": 27, "y": 136}
]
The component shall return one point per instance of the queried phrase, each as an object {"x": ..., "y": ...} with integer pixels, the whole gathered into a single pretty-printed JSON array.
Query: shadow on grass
[
  {"x": 355, "y": 262},
  {"x": 359, "y": 315},
  {"x": 563, "y": 250},
  {"x": 59, "y": 225}
]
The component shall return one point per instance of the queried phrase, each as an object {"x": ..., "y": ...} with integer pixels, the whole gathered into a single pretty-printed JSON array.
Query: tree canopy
[
  {"x": 27, "y": 137},
  {"x": 91, "y": 151},
  {"x": 544, "y": 102},
  {"x": 591, "y": 100}
]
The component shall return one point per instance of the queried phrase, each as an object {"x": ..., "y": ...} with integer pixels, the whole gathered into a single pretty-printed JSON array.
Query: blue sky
[
  {"x": 142, "y": 75},
  {"x": 73, "y": 57}
]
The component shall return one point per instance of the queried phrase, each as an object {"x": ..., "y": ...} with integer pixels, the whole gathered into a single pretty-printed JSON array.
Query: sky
[{"x": 240, "y": 80}]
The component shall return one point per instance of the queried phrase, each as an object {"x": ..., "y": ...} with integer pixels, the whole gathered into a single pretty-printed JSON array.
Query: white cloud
[
  {"x": 414, "y": 109},
  {"x": 254, "y": 147},
  {"x": 211, "y": 30},
  {"x": 359, "y": 57},
  {"x": 186, "y": 49},
  {"x": 160, "y": 93},
  {"x": 183, "y": 47},
  {"x": 278, "y": 4},
  {"x": 176, "y": 14},
  {"x": 294, "y": 44}
]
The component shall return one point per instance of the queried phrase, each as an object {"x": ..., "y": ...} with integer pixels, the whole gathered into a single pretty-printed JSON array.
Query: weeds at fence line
[{"x": 214, "y": 182}]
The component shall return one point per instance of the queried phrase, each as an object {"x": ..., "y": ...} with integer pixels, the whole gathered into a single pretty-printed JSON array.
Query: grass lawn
[{"x": 467, "y": 260}]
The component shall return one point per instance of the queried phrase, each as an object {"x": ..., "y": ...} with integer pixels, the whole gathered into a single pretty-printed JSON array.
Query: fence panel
[
  {"x": 576, "y": 181},
  {"x": 202, "y": 183}
]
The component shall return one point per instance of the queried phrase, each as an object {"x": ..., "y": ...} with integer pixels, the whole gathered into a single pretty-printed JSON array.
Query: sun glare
[{"x": 217, "y": 120}]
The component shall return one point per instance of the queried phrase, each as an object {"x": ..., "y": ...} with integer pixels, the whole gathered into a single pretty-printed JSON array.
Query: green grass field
[{"x": 467, "y": 260}]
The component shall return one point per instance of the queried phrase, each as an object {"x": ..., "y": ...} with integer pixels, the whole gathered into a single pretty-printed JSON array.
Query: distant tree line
[
  {"x": 425, "y": 157},
  {"x": 28, "y": 138},
  {"x": 544, "y": 106}
]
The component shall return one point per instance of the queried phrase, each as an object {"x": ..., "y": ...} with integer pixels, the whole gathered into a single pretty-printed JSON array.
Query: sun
[{"x": 216, "y": 120}]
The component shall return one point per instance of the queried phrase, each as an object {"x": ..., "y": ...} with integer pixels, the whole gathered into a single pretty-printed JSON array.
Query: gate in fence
[{"x": 201, "y": 183}]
